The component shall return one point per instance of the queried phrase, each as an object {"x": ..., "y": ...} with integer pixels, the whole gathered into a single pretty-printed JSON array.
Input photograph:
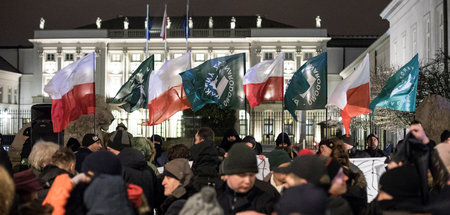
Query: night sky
[{"x": 19, "y": 18}]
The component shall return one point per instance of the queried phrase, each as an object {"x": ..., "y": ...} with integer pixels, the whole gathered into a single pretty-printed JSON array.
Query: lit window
[
  {"x": 177, "y": 55},
  {"x": 199, "y": 57},
  {"x": 116, "y": 57},
  {"x": 157, "y": 57},
  {"x": 1, "y": 94},
  {"x": 136, "y": 58},
  {"x": 307, "y": 56},
  {"x": 268, "y": 126},
  {"x": 9, "y": 95},
  {"x": 50, "y": 57},
  {"x": 268, "y": 56},
  {"x": 221, "y": 54},
  {"x": 15, "y": 96},
  {"x": 69, "y": 57}
]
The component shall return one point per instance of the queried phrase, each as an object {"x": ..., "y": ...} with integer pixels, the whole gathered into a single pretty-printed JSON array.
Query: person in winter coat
[
  {"x": 337, "y": 205},
  {"x": 229, "y": 138},
  {"x": 26, "y": 149},
  {"x": 399, "y": 192},
  {"x": 251, "y": 142},
  {"x": 91, "y": 143},
  {"x": 283, "y": 142},
  {"x": 239, "y": 192},
  {"x": 373, "y": 150},
  {"x": 63, "y": 162},
  {"x": 277, "y": 158},
  {"x": 144, "y": 145},
  {"x": 418, "y": 150},
  {"x": 41, "y": 156},
  {"x": 177, "y": 177},
  {"x": 205, "y": 158},
  {"x": 356, "y": 194},
  {"x": 136, "y": 171},
  {"x": 120, "y": 138},
  {"x": 352, "y": 147},
  {"x": 302, "y": 199}
]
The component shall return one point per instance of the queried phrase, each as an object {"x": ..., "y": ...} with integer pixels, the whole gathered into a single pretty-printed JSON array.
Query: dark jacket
[
  {"x": 267, "y": 188},
  {"x": 205, "y": 165},
  {"x": 107, "y": 194},
  {"x": 254, "y": 200},
  {"x": 226, "y": 145},
  {"x": 354, "y": 153},
  {"x": 356, "y": 194},
  {"x": 26, "y": 150},
  {"x": 136, "y": 171},
  {"x": 80, "y": 156},
  {"x": 375, "y": 153},
  {"x": 5, "y": 162},
  {"x": 338, "y": 206},
  {"x": 425, "y": 158},
  {"x": 47, "y": 176},
  {"x": 406, "y": 206}
]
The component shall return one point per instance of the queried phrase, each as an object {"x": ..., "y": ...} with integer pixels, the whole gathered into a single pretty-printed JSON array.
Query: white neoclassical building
[{"x": 120, "y": 46}]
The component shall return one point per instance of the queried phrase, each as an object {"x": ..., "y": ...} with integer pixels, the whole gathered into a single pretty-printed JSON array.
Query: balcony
[{"x": 179, "y": 33}]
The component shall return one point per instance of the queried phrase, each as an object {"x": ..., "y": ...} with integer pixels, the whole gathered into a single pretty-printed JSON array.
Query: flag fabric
[
  {"x": 307, "y": 89},
  {"x": 133, "y": 94},
  {"x": 166, "y": 95},
  {"x": 400, "y": 90},
  {"x": 265, "y": 82},
  {"x": 164, "y": 25},
  {"x": 218, "y": 81},
  {"x": 72, "y": 91},
  {"x": 352, "y": 95}
]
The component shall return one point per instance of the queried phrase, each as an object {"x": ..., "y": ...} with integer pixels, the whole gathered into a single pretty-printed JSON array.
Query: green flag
[
  {"x": 400, "y": 90},
  {"x": 308, "y": 87},
  {"x": 218, "y": 81},
  {"x": 133, "y": 94}
]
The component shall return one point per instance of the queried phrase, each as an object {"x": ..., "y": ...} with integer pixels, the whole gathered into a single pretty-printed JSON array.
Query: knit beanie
[
  {"x": 401, "y": 182},
  {"x": 278, "y": 157},
  {"x": 89, "y": 139},
  {"x": 102, "y": 162},
  {"x": 283, "y": 138},
  {"x": 179, "y": 169},
  {"x": 303, "y": 199},
  {"x": 241, "y": 159},
  {"x": 309, "y": 167},
  {"x": 202, "y": 203}
]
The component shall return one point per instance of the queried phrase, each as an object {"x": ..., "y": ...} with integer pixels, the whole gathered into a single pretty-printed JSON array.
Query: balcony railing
[{"x": 179, "y": 33}]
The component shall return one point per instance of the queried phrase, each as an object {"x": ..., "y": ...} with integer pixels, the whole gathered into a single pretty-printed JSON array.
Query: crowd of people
[{"x": 121, "y": 174}]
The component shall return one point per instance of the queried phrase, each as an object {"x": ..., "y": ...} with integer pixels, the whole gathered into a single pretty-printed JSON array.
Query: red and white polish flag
[
  {"x": 166, "y": 95},
  {"x": 352, "y": 95},
  {"x": 265, "y": 82},
  {"x": 164, "y": 25},
  {"x": 72, "y": 91}
]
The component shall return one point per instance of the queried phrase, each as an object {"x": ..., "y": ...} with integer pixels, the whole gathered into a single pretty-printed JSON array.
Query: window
[
  {"x": 414, "y": 39},
  {"x": 221, "y": 55},
  {"x": 268, "y": 126},
  {"x": 307, "y": 56},
  {"x": 9, "y": 95},
  {"x": 177, "y": 55},
  {"x": 289, "y": 126},
  {"x": 116, "y": 57},
  {"x": 288, "y": 56},
  {"x": 1, "y": 94},
  {"x": 50, "y": 57},
  {"x": 268, "y": 56},
  {"x": 199, "y": 57},
  {"x": 157, "y": 57},
  {"x": 136, "y": 57},
  {"x": 309, "y": 127},
  {"x": 69, "y": 57},
  {"x": 15, "y": 96},
  {"x": 427, "y": 36}
]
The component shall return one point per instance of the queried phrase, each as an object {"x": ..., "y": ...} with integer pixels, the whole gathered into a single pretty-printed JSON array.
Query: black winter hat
[
  {"x": 156, "y": 138},
  {"x": 283, "y": 137},
  {"x": 309, "y": 167},
  {"x": 241, "y": 159},
  {"x": 333, "y": 167},
  {"x": 278, "y": 157},
  {"x": 27, "y": 132},
  {"x": 89, "y": 139},
  {"x": 102, "y": 162},
  {"x": 348, "y": 140},
  {"x": 302, "y": 199},
  {"x": 401, "y": 182}
]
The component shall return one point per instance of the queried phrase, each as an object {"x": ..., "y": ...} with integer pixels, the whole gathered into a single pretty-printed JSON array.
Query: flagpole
[
  {"x": 245, "y": 101},
  {"x": 95, "y": 99},
  {"x": 146, "y": 56},
  {"x": 282, "y": 108},
  {"x": 165, "y": 54},
  {"x": 187, "y": 25}
]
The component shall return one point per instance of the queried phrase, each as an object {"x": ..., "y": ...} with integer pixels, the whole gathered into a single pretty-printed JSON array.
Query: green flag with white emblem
[
  {"x": 307, "y": 89},
  {"x": 400, "y": 90},
  {"x": 218, "y": 81},
  {"x": 133, "y": 94}
]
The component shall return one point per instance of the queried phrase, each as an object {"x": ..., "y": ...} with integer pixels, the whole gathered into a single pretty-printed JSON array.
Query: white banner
[{"x": 372, "y": 168}]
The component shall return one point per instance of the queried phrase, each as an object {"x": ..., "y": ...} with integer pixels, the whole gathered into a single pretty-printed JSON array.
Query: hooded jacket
[
  {"x": 226, "y": 145},
  {"x": 206, "y": 164},
  {"x": 47, "y": 177},
  {"x": 136, "y": 171}
]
